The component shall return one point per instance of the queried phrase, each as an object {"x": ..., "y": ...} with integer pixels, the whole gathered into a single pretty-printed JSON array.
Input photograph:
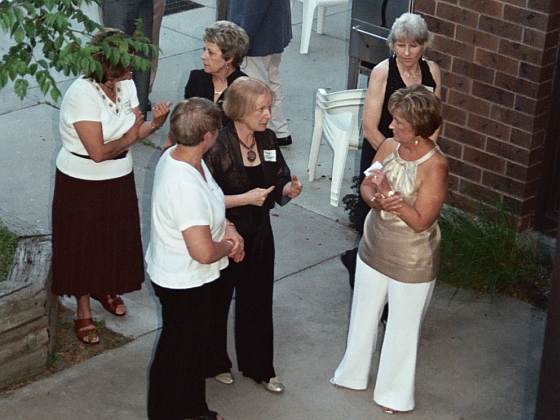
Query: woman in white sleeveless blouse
[{"x": 398, "y": 256}]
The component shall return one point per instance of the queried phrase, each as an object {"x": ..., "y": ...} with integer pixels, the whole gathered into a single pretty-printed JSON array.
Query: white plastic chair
[
  {"x": 309, "y": 7},
  {"x": 337, "y": 119}
]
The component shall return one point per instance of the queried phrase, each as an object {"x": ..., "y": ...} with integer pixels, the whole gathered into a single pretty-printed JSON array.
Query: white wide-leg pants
[
  {"x": 394, "y": 387},
  {"x": 267, "y": 70}
]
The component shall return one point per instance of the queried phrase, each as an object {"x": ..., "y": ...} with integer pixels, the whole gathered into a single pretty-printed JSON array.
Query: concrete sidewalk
[{"x": 478, "y": 359}]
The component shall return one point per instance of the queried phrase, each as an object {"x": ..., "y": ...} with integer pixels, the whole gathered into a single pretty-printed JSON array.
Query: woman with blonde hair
[
  {"x": 249, "y": 167},
  {"x": 398, "y": 255}
]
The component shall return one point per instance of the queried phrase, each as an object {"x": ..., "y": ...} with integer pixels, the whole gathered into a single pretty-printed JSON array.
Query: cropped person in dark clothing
[
  {"x": 408, "y": 39},
  {"x": 249, "y": 167}
]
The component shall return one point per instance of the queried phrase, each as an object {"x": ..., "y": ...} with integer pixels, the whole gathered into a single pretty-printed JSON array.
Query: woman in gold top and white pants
[{"x": 398, "y": 256}]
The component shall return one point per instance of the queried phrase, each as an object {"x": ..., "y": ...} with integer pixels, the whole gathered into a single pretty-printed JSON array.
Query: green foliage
[
  {"x": 8, "y": 243},
  {"x": 350, "y": 201},
  {"x": 485, "y": 252},
  {"x": 53, "y": 35}
]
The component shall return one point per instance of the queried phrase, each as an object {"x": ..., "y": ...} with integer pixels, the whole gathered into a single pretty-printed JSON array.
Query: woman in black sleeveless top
[{"x": 408, "y": 39}]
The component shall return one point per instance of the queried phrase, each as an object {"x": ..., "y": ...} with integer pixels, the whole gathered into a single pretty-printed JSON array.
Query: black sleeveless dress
[{"x": 394, "y": 82}]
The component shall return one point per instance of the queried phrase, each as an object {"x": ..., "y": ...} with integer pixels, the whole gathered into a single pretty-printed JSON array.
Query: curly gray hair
[
  {"x": 232, "y": 40},
  {"x": 409, "y": 26}
]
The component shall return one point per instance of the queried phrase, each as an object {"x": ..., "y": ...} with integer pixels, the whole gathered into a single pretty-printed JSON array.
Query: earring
[{"x": 416, "y": 142}]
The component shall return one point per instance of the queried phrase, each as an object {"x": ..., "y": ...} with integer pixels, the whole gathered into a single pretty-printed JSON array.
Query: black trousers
[
  {"x": 121, "y": 14},
  {"x": 252, "y": 279},
  {"x": 177, "y": 384}
]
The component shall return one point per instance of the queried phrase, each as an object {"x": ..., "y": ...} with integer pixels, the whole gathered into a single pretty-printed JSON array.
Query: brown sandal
[
  {"x": 84, "y": 332},
  {"x": 111, "y": 303}
]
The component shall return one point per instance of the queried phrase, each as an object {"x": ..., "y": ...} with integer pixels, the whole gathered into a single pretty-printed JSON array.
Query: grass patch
[
  {"x": 485, "y": 252},
  {"x": 69, "y": 351},
  {"x": 8, "y": 243}
]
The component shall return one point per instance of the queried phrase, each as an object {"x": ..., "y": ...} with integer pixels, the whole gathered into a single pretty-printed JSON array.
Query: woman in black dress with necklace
[{"x": 248, "y": 165}]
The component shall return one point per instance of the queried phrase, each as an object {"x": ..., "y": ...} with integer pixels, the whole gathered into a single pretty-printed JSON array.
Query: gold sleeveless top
[{"x": 389, "y": 245}]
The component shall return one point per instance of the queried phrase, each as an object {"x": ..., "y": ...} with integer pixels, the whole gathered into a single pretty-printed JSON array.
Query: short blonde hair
[
  {"x": 231, "y": 39},
  {"x": 409, "y": 26},
  {"x": 241, "y": 97},
  {"x": 192, "y": 118},
  {"x": 419, "y": 107}
]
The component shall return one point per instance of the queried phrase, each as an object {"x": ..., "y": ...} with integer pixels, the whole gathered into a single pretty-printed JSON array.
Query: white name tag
[{"x": 269, "y": 155}]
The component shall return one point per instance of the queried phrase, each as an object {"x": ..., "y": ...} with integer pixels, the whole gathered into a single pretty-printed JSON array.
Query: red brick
[
  {"x": 464, "y": 135},
  {"x": 450, "y": 147},
  {"x": 536, "y": 73},
  {"x": 519, "y": 206},
  {"x": 496, "y": 61},
  {"x": 462, "y": 201},
  {"x": 484, "y": 194},
  {"x": 476, "y": 37},
  {"x": 487, "y": 7},
  {"x": 509, "y": 151},
  {"x": 454, "y": 48},
  {"x": 526, "y": 17},
  {"x": 454, "y": 115},
  {"x": 549, "y": 56},
  {"x": 464, "y": 170},
  {"x": 503, "y": 184},
  {"x": 520, "y": 3},
  {"x": 489, "y": 127},
  {"x": 456, "y": 81},
  {"x": 425, "y": 6},
  {"x": 493, "y": 94},
  {"x": 526, "y": 140},
  {"x": 524, "y": 173},
  {"x": 472, "y": 70},
  {"x": 483, "y": 160},
  {"x": 540, "y": 122},
  {"x": 511, "y": 117},
  {"x": 534, "y": 38},
  {"x": 520, "y": 51},
  {"x": 524, "y": 104},
  {"x": 439, "y": 26},
  {"x": 469, "y": 103},
  {"x": 554, "y": 22},
  {"x": 456, "y": 14},
  {"x": 546, "y": 6},
  {"x": 452, "y": 182},
  {"x": 443, "y": 60},
  {"x": 516, "y": 85},
  {"x": 499, "y": 27}
]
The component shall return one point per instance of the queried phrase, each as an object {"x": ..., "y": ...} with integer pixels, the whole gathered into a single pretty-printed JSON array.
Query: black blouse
[
  {"x": 200, "y": 85},
  {"x": 225, "y": 161}
]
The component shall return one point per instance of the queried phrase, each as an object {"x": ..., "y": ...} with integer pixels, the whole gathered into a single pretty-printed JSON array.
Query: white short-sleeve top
[
  {"x": 85, "y": 101},
  {"x": 182, "y": 198}
]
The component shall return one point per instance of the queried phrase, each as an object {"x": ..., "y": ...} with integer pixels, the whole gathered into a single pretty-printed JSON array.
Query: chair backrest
[{"x": 345, "y": 101}]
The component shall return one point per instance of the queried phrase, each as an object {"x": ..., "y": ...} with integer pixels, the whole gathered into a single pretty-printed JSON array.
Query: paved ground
[{"x": 479, "y": 359}]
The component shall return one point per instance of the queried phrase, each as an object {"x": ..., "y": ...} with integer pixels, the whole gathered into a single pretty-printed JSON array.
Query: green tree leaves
[{"x": 50, "y": 36}]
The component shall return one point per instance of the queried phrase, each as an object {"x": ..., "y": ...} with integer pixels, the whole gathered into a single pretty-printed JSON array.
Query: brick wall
[{"x": 498, "y": 60}]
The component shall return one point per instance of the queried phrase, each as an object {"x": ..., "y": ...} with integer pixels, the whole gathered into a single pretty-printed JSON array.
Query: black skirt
[{"x": 97, "y": 247}]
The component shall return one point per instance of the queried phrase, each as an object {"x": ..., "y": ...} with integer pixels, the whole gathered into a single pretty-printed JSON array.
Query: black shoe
[
  {"x": 284, "y": 141},
  {"x": 348, "y": 258}
]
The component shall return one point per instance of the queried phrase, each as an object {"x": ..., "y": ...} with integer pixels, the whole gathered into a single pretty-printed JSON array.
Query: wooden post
[
  {"x": 548, "y": 401},
  {"x": 221, "y": 9}
]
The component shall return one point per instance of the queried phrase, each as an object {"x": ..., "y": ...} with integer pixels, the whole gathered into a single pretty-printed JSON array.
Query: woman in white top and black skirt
[{"x": 97, "y": 249}]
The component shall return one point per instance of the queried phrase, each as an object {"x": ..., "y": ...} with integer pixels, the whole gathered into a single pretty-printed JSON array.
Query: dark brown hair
[{"x": 110, "y": 71}]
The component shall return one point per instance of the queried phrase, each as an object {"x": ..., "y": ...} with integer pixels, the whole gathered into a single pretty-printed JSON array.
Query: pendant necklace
[{"x": 251, "y": 155}]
